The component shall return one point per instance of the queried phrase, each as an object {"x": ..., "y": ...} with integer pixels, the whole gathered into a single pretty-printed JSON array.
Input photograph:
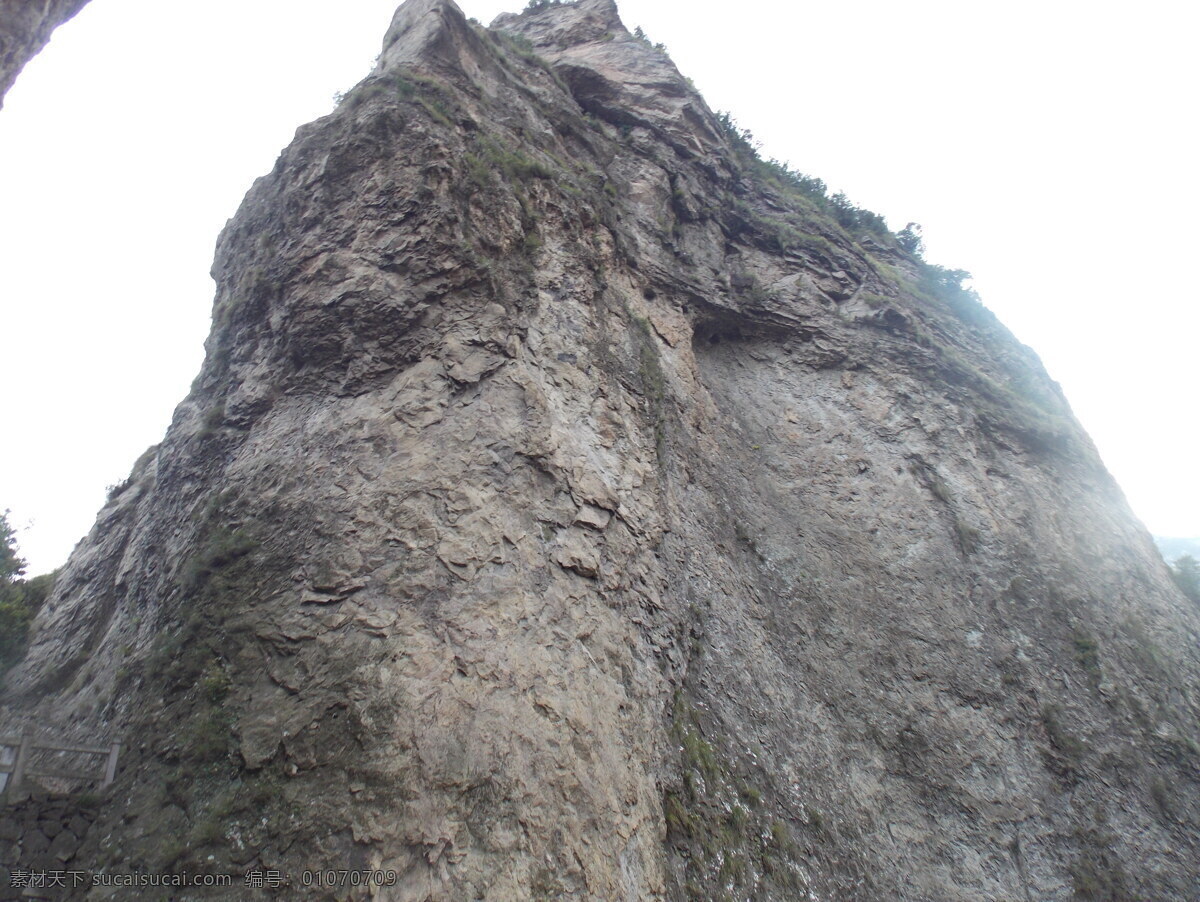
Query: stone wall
[{"x": 41, "y": 832}]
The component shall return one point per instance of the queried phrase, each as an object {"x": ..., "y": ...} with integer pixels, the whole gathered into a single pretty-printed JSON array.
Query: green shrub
[
  {"x": 910, "y": 240},
  {"x": 215, "y": 684},
  {"x": 775, "y": 173},
  {"x": 223, "y": 547},
  {"x": 640, "y": 35},
  {"x": 780, "y": 836},
  {"x": 854, "y": 218},
  {"x": 679, "y": 819},
  {"x": 436, "y": 110},
  {"x": 1087, "y": 652},
  {"x": 479, "y": 173},
  {"x": 532, "y": 242},
  {"x": 804, "y": 190},
  {"x": 733, "y": 868},
  {"x": 405, "y": 86},
  {"x": 699, "y": 755},
  {"x": 947, "y": 284},
  {"x": 751, "y": 795},
  {"x": 213, "y": 417},
  {"x": 207, "y": 739},
  {"x": 515, "y": 164}
]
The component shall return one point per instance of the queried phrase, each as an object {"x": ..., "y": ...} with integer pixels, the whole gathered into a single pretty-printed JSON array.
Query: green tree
[
  {"x": 1186, "y": 573},
  {"x": 11, "y": 565},
  {"x": 19, "y": 598},
  {"x": 910, "y": 240}
]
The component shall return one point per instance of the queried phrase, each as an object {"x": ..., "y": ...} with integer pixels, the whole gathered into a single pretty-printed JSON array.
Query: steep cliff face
[
  {"x": 568, "y": 507},
  {"x": 25, "y": 28}
]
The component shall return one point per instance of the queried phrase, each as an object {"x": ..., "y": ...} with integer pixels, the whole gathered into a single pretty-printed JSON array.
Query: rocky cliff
[
  {"x": 25, "y": 28},
  {"x": 572, "y": 506}
]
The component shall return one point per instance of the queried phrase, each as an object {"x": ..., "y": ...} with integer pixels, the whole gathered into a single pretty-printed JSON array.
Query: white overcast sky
[{"x": 1048, "y": 147}]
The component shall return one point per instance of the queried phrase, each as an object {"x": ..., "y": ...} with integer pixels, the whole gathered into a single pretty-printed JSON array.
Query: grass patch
[
  {"x": 207, "y": 739},
  {"x": 222, "y": 548},
  {"x": 653, "y": 381},
  {"x": 718, "y": 827},
  {"x": 478, "y": 172},
  {"x": 750, "y": 794},
  {"x": 517, "y": 45},
  {"x": 215, "y": 583},
  {"x": 531, "y": 242},
  {"x": 436, "y": 110},
  {"x": 406, "y": 86},
  {"x": 515, "y": 164}
]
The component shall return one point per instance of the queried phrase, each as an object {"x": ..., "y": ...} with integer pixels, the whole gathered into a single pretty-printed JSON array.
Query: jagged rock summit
[{"x": 572, "y": 505}]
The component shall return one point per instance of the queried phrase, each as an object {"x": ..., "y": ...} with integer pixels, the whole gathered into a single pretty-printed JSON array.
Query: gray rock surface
[
  {"x": 25, "y": 28},
  {"x": 568, "y": 507}
]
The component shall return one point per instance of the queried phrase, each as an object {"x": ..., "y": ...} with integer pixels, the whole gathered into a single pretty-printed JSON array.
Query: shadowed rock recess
[{"x": 569, "y": 507}]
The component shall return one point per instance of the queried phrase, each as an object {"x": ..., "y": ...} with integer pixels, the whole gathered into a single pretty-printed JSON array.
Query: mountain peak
[
  {"x": 427, "y": 34},
  {"x": 561, "y": 25},
  {"x": 575, "y": 505},
  {"x": 614, "y": 75}
]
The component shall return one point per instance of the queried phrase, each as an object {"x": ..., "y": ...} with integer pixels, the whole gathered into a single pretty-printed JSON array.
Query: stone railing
[{"x": 24, "y": 757}]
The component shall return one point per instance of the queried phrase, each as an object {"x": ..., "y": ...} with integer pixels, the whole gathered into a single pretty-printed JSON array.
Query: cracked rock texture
[
  {"x": 570, "y": 508},
  {"x": 25, "y": 28}
]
